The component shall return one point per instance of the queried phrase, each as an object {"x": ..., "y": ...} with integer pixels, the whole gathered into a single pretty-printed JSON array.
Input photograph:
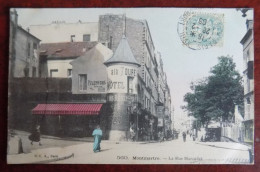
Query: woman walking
[
  {"x": 97, "y": 133},
  {"x": 36, "y": 135}
]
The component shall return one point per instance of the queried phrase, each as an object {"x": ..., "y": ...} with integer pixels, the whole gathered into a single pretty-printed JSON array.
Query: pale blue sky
[{"x": 181, "y": 64}]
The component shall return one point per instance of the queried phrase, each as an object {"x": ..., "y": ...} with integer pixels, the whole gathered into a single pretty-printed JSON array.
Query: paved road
[{"x": 168, "y": 152}]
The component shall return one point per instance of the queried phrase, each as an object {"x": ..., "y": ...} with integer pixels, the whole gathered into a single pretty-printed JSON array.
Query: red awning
[{"x": 67, "y": 109}]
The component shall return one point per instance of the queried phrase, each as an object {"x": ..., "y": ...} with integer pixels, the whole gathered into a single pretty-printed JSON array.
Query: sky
[{"x": 181, "y": 64}]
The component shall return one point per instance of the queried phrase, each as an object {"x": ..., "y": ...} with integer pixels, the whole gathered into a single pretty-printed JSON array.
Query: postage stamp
[{"x": 201, "y": 30}]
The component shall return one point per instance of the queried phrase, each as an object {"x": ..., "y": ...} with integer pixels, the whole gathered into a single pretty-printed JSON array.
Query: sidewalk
[
  {"x": 84, "y": 139},
  {"x": 51, "y": 145},
  {"x": 225, "y": 145},
  {"x": 41, "y": 156}
]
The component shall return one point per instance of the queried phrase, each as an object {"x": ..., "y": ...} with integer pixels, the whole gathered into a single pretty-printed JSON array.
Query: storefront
[{"x": 77, "y": 120}]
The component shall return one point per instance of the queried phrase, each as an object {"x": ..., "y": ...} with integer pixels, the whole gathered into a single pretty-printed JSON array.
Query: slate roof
[
  {"x": 65, "y": 49},
  {"x": 123, "y": 54}
]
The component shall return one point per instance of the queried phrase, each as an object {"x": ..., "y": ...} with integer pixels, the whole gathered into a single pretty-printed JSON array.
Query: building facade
[
  {"x": 152, "y": 83},
  {"x": 23, "y": 50},
  {"x": 60, "y": 31},
  {"x": 248, "y": 77},
  {"x": 130, "y": 88},
  {"x": 55, "y": 58}
]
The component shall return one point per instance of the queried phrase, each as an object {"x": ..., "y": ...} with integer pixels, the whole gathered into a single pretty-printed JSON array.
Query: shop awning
[{"x": 67, "y": 109}]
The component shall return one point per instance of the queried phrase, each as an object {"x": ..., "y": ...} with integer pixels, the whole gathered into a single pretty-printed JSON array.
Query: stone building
[
  {"x": 12, "y": 38},
  {"x": 122, "y": 89},
  {"x": 248, "y": 77},
  {"x": 60, "y": 31},
  {"x": 152, "y": 83},
  {"x": 23, "y": 50}
]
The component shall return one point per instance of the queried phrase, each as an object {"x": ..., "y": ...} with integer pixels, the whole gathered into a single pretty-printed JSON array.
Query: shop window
[{"x": 82, "y": 82}]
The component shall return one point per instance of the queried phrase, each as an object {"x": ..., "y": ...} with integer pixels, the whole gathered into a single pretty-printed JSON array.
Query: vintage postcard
[{"x": 131, "y": 86}]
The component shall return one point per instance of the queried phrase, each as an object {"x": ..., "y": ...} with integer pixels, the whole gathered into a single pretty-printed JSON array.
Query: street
[{"x": 167, "y": 152}]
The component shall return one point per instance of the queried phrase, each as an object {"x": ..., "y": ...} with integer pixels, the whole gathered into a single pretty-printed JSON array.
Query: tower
[{"x": 122, "y": 69}]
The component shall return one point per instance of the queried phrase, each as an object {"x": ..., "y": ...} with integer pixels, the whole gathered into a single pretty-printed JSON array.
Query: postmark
[{"x": 200, "y": 31}]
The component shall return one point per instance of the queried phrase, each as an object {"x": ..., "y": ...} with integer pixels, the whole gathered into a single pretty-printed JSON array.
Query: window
[
  {"x": 110, "y": 42},
  {"x": 34, "y": 45},
  {"x": 86, "y": 38},
  {"x": 53, "y": 72},
  {"x": 34, "y": 72},
  {"x": 29, "y": 50},
  {"x": 26, "y": 72},
  {"x": 248, "y": 85},
  {"x": 130, "y": 86},
  {"x": 69, "y": 73},
  {"x": 248, "y": 101},
  {"x": 248, "y": 54},
  {"x": 72, "y": 38},
  {"x": 82, "y": 82}
]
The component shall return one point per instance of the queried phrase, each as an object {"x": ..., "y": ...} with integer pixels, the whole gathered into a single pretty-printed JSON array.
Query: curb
[{"x": 212, "y": 145}]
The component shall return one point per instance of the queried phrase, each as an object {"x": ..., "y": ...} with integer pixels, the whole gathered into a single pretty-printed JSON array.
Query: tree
[{"x": 214, "y": 98}]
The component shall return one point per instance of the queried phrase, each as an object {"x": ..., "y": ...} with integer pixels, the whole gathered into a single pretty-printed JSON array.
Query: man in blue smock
[{"x": 97, "y": 133}]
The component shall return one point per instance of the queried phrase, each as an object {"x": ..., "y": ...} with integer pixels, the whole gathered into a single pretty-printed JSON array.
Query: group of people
[{"x": 184, "y": 135}]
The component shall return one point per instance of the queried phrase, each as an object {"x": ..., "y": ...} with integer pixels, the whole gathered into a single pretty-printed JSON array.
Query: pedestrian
[
  {"x": 184, "y": 136},
  {"x": 132, "y": 133},
  {"x": 97, "y": 133},
  {"x": 35, "y": 135}
]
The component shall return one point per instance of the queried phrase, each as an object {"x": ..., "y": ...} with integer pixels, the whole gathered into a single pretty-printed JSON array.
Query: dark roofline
[
  {"x": 69, "y": 42},
  {"x": 149, "y": 32},
  {"x": 61, "y": 57},
  {"x": 123, "y": 62},
  {"x": 248, "y": 33},
  {"x": 28, "y": 33}
]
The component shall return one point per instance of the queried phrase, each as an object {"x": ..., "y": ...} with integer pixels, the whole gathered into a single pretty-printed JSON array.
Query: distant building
[
  {"x": 55, "y": 58},
  {"x": 60, "y": 31},
  {"x": 248, "y": 77}
]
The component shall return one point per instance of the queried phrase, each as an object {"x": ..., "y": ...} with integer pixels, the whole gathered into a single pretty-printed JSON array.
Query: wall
[
  {"x": 92, "y": 64},
  {"x": 113, "y": 26},
  {"x": 118, "y": 78},
  {"x": 61, "y": 31},
  {"x": 248, "y": 55},
  {"x": 62, "y": 66}
]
